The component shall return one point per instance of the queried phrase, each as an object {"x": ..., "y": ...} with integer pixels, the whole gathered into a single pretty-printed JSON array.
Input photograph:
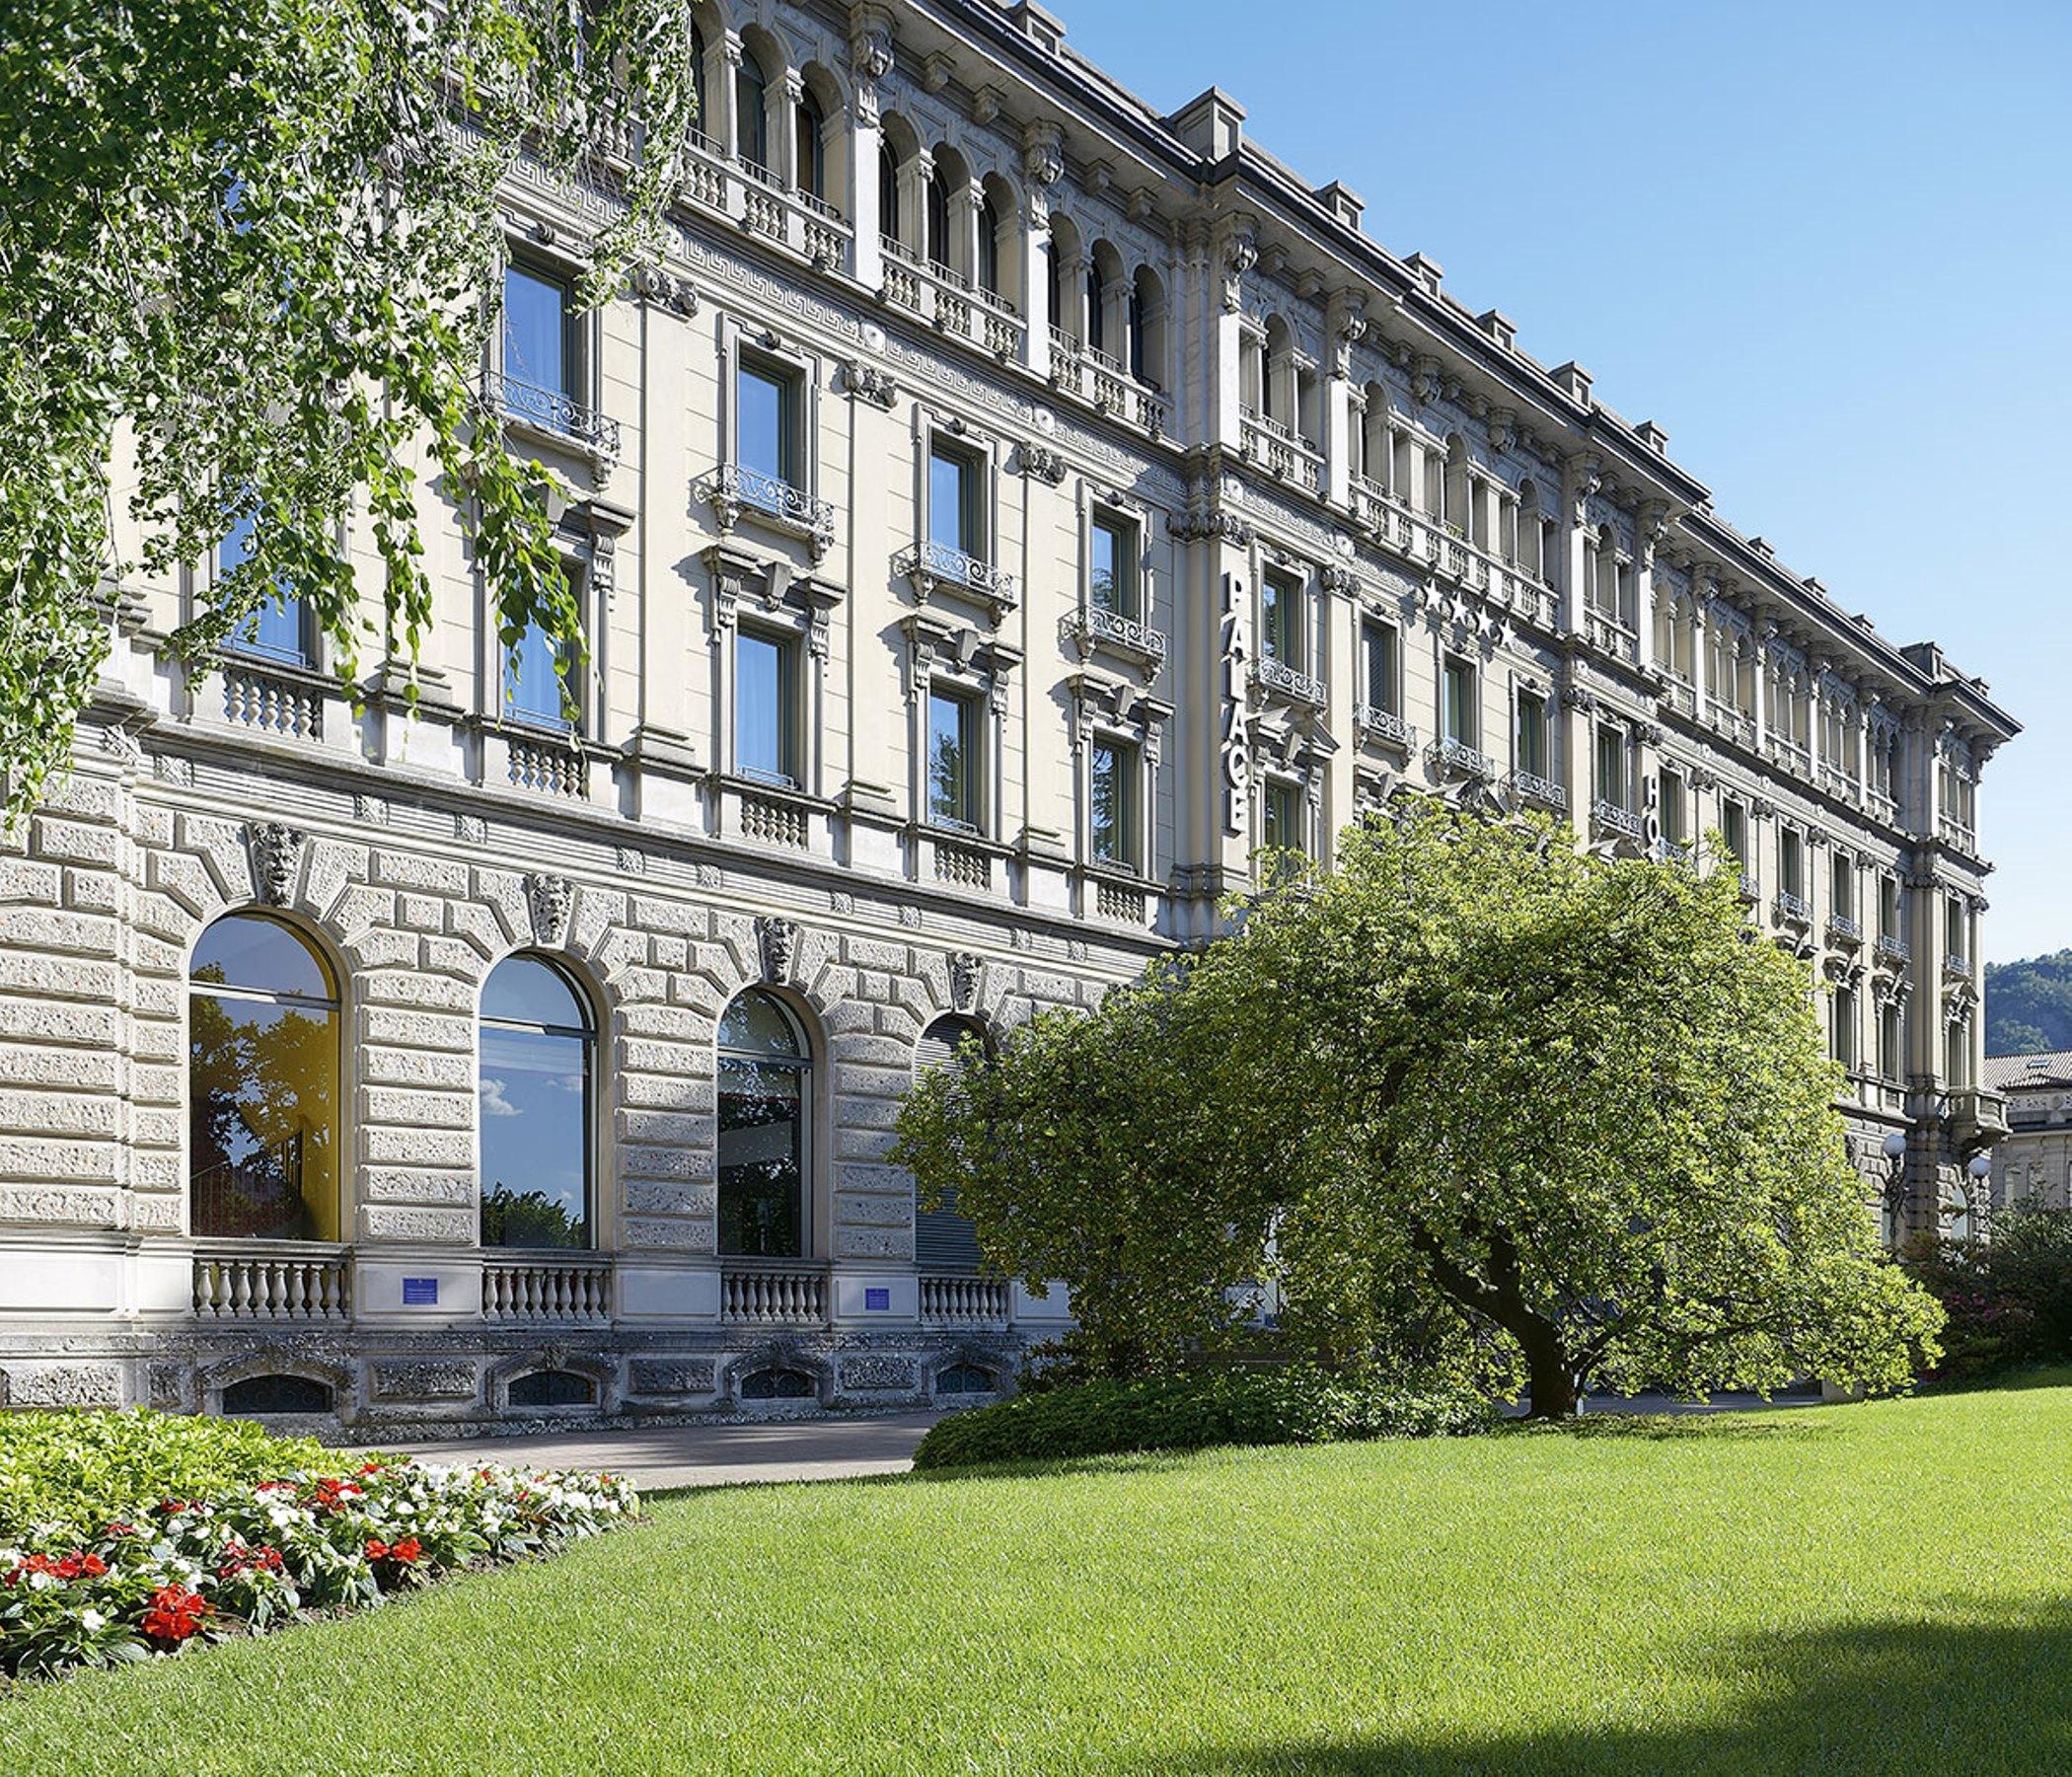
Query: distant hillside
[{"x": 2028, "y": 1005}]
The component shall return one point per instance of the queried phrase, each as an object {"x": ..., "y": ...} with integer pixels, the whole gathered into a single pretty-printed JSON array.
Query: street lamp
[{"x": 1895, "y": 1151}]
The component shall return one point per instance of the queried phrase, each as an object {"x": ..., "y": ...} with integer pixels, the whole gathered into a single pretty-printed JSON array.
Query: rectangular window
[
  {"x": 1611, "y": 766},
  {"x": 1114, "y": 802},
  {"x": 1889, "y": 909},
  {"x": 1843, "y": 887},
  {"x": 1733, "y": 829},
  {"x": 1281, "y": 620},
  {"x": 538, "y": 345},
  {"x": 277, "y": 630},
  {"x": 764, "y": 714},
  {"x": 953, "y": 760},
  {"x": 1846, "y": 1026},
  {"x": 1379, "y": 667},
  {"x": 955, "y": 520},
  {"x": 1791, "y": 862},
  {"x": 1112, "y": 572},
  {"x": 1954, "y": 927},
  {"x": 1279, "y": 817},
  {"x": 1532, "y": 734},
  {"x": 1461, "y": 719},
  {"x": 531, "y": 688},
  {"x": 1892, "y": 1054},
  {"x": 765, "y": 430},
  {"x": 1676, "y": 830}
]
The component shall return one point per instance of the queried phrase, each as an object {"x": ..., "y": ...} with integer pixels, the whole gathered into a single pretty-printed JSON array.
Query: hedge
[{"x": 1297, "y": 1405}]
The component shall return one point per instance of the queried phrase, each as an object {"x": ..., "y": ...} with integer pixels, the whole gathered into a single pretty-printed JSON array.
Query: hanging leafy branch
[{"x": 248, "y": 275}]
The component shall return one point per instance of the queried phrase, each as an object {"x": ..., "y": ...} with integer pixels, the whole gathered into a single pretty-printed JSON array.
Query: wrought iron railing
[
  {"x": 931, "y": 562},
  {"x": 551, "y": 410},
  {"x": 1282, "y": 679},
  {"x": 1376, "y": 723},
  {"x": 734, "y": 489},
  {"x": 1097, "y": 624},
  {"x": 1530, "y": 786},
  {"x": 1792, "y": 910},
  {"x": 1456, "y": 756},
  {"x": 1609, "y": 817}
]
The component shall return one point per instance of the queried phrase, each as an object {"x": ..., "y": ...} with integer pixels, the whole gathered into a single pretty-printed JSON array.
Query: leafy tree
[
  {"x": 2028, "y": 1005},
  {"x": 247, "y": 277},
  {"x": 1569, "y": 1105}
]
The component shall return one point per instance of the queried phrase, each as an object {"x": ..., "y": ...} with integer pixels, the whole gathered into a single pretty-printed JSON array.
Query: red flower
[
  {"x": 121, "y": 1529},
  {"x": 377, "y": 1551},
  {"x": 406, "y": 1550},
  {"x": 176, "y": 1613},
  {"x": 371, "y": 1468},
  {"x": 93, "y": 1566}
]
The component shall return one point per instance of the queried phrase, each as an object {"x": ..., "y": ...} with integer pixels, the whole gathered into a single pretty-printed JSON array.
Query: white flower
[{"x": 91, "y": 1621}]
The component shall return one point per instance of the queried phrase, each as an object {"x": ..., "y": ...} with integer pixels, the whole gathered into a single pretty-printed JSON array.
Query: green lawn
[{"x": 1837, "y": 1589}]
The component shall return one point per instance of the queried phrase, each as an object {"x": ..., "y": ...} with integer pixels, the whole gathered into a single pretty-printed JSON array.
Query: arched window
[
  {"x": 1096, "y": 307},
  {"x": 812, "y": 155},
  {"x": 700, "y": 133},
  {"x": 888, "y": 193},
  {"x": 944, "y": 1242},
  {"x": 263, "y": 1084},
  {"x": 990, "y": 246},
  {"x": 764, "y": 1081},
  {"x": 936, "y": 245},
  {"x": 534, "y": 1089},
  {"x": 751, "y": 121}
]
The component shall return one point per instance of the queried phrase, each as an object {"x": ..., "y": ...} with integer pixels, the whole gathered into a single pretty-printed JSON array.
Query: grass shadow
[
  {"x": 1655, "y": 1428},
  {"x": 1865, "y": 1698}
]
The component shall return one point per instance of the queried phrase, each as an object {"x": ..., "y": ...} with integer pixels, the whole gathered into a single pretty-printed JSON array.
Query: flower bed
[{"x": 313, "y": 1537}]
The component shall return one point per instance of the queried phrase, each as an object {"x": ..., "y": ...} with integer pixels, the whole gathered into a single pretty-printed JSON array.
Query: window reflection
[
  {"x": 534, "y": 1094},
  {"x": 263, "y": 1062},
  {"x": 764, "y": 1074}
]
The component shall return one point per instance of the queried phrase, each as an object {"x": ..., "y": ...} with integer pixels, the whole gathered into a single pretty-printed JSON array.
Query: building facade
[
  {"x": 1002, "y": 512},
  {"x": 2032, "y": 1166}
]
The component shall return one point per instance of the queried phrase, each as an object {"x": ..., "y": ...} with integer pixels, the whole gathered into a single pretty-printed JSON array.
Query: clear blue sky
[{"x": 1824, "y": 244}]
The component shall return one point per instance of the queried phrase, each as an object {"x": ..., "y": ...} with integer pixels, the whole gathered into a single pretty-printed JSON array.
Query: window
[
  {"x": 1380, "y": 668},
  {"x": 812, "y": 161},
  {"x": 1889, "y": 909},
  {"x": 533, "y": 689},
  {"x": 1844, "y": 1026},
  {"x": 751, "y": 118},
  {"x": 1611, "y": 766},
  {"x": 1955, "y": 927},
  {"x": 1843, "y": 887},
  {"x": 1281, "y": 620},
  {"x": 534, "y": 1088},
  {"x": 1112, "y": 580},
  {"x": 766, "y": 713},
  {"x": 1462, "y": 720},
  {"x": 765, "y": 430},
  {"x": 551, "y": 1388},
  {"x": 1532, "y": 734},
  {"x": 1791, "y": 862},
  {"x": 953, "y": 760},
  {"x": 539, "y": 347},
  {"x": 275, "y": 1393},
  {"x": 1096, "y": 307},
  {"x": 765, "y": 1076},
  {"x": 277, "y": 629},
  {"x": 938, "y": 196},
  {"x": 1891, "y": 1052},
  {"x": 990, "y": 246},
  {"x": 1733, "y": 829},
  {"x": 888, "y": 193},
  {"x": 263, "y": 1084},
  {"x": 956, "y": 519},
  {"x": 1280, "y": 810},
  {"x": 1114, "y": 802},
  {"x": 944, "y": 1241},
  {"x": 1676, "y": 829}
]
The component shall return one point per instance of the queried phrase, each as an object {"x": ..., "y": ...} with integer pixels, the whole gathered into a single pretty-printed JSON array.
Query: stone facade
[
  {"x": 2033, "y": 1165},
  {"x": 1366, "y": 547}
]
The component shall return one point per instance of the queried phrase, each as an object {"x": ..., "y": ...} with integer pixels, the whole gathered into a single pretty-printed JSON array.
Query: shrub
[
  {"x": 141, "y": 1561},
  {"x": 1296, "y": 1405},
  {"x": 2009, "y": 1299}
]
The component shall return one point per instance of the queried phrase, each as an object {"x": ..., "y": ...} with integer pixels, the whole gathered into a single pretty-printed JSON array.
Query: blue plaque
[
  {"x": 877, "y": 1298},
  {"x": 420, "y": 1292}
]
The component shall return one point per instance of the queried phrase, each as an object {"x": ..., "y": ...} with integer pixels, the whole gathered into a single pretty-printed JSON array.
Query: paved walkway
[{"x": 709, "y": 1456}]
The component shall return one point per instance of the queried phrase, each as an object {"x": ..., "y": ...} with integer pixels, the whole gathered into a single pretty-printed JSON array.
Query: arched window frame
[
  {"x": 584, "y": 1034},
  {"x": 803, "y": 1064},
  {"x": 937, "y": 1233}
]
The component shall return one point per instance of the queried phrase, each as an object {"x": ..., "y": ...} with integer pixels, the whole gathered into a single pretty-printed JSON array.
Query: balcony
[
  {"x": 1736, "y": 724},
  {"x": 1096, "y": 627},
  {"x": 1280, "y": 451},
  {"x": 933, "y": 567},
  {"x": 547, "y": 1289},
  {"x": 1844, "y": 932},
  {"x": 1897, "y": 952},
  {"x": 552, "y": 411},
  {"x": 958, "y": 864},
  {"x": 277, "y": 1282},
  {"x": 1958, "y": 834},
  {"x": 1840, "y": 784},
  {"x": 1976, "y": 1117},
  {"x": 546, "y": 762},
  {"x": 1281, "y": 680},
  {"x": 965, "y": 1301},
  {"x": 1792, "y": 755},
  {"x": 284, "y": 702},
  {"x": 1610, "y": 637},
  {"x": 1792, "y": 910},
  {"x": 1451, "y": 758},
  {"x": 773, "y": 1292},
  {"x": 735, "y": 491},
  {"x": 1682, "y": 695},
  {"x": 750, "y": 197},
  {"x": 1751, "y": 889},
  {"x": 951, "y": 303},
  {"x": 1957, "y": 966},
  {"x": 1541, "y": 792},
  {"x": 1882, "y": 807},
  {"x": 1098, "y": 378},
  {"x": 1608, "y": 820},
  {"x": 1382, "y": 727}
]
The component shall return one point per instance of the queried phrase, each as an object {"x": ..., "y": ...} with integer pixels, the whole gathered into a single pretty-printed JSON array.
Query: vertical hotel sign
[{"x": 1236, "y": 763}]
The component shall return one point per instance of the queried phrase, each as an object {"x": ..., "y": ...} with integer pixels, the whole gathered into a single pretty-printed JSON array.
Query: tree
[
  {"x": 2028, "y": 1005},
  {"x": 1573, "y": 1105},
  {"x": 246, "y": 262}
]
